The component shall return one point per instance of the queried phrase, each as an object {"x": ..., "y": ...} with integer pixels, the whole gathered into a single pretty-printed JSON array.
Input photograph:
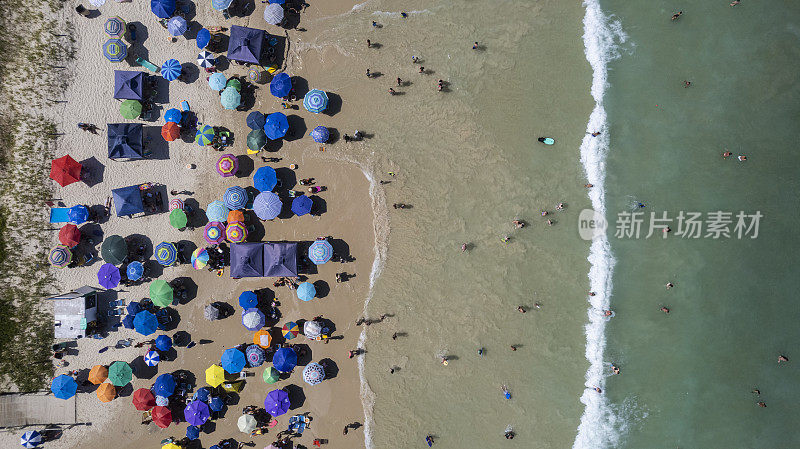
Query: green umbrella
[
  {"x": 177, "y": 218},
  {"x": 114, "y": 250},
  {"x": 234, "y": 83},
  {"x": 161, "y": 293},
  {"x": 256, "y": 139},
  {"x": 271, "y": 375},
  {"x": 131, "y": 109},
  {"x": 120, "y": 374}
]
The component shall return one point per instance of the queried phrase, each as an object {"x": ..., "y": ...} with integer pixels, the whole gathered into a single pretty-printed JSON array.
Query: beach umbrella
[
  {"x": 217, "y": 211},
  {"x": 301, "y": 205},
  {"x": 108, "y": 276},
  {"x": 320, "y": 134},
  {"x": 173, "y": 115},
  {"x": 133, "y": 307},
  {"x": 120, "y": 373},
  {"x": 69, "y": 235},
  {"x": 135, "y": 270},
  {"x": 199, "y": 258},
  {"x": 176, "y": 203},
  {"x": 166, "y": 254},
  {"x": 163, "y": 343},
  {"x": 162, "y": 416},
  {"x": 235, "y": 197},
  {"x": 276, "y": 126},
  {"x": 115, "y": 50},
  {"x": 256, "y": 139},
  {"x": 253, "y": 319},
  {"x": 30, "y": 439},
  {"x": 177, "y": 25},
  {"x": 313, "y": 373},
  {"x": 216, "y": 404},
  {"x": 205, "y": 135},
  {"x": 254, "y": 75},
  {"x": 196, "y": 413},
  {"x": 144, "y": 399},
  {"x": 267, "y": 205},
  {"x": 171, "y": 69},
  {"x": 281, "y": 85},
  {"x": 106, "y": 392},
  {"x": 273, "y": 14},
  {"x": 271, "y": 375},
  {"x": 201, "y": 394},
  {"x": 306, "y": 291},
  {"x": 312, "y": 329},
  {"x": 161, "y": 293},
  {"x": 64, "y": 387},
  {"x": 127, "y": 322},
  {"x": 227, "y": 165},
  {"x": 114, "y": 27},
  {"x": 236, "y": 232},
  {"x": 262, "y": 338},
  {"x": 114, "y": 249},
  {"x": 315, "y": 101},
  {"x": 221, "y": 5},
  {"x": 280, "y": 2},
  {"x": 203, "y": 38},
  {"x": 233, "y": 361},
  {"x": 152, "y": 358},
  {"x": 217, "y": 81},
  {"x": 211, "y": 313},
  {"x": 248, "y": 300},
  {"x": 206, "y": 59},
  {"x": 256, "y": 120},
  {"x": 235, "y": 215},
  {"x": 192, "y": 433},
  {"x": 170, "y": 131},
  {"x": 284, "y": 360},
  {"x": 178, "y": 219},
  {"x": 247, "y": 423},
  {"x": 78, "y": 214},
  {"x": 320, "y": 252},
  {"x": 277, "y": 403},
  {"x": 60, "y": 256},
  {"x": 163, "y": 9},
  {"x": 290, "y": 330},
  {"x": 98, "y": 374},
  {"x": 234, "y": 83},
  {"x": 162, "y": 401},
  {"x": 145, "y": 322},
  {"x": 255, "y": 355},
  {"x": 130, "y": 109},
  {"x": 97, "y": 3},
  {"x": 65, "y": 170},
  {"x": 215, "y": 375},
  {"x": 164, "y": 385},
  {"x": 230, "y": 98},
  {"x": 214, "y": 232}
]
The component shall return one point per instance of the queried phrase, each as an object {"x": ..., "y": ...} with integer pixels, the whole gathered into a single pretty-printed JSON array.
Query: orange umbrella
[
  {"x": 235, "y": 215},
  {"x": 170, "y": 131},
  {"x": 262, "y": 338},
  {"x": 98, "y": 374},
  {"x": 106, "y": 392}
]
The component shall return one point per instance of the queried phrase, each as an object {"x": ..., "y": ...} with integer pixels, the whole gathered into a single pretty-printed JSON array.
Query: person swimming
[{"x": 480, "y": 352}]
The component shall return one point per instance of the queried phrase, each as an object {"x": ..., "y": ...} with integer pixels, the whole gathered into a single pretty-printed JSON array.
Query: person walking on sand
[
  {"x": 399, "y": 82},
  {"x": 422, "y": 70},
  {"x": 440, "y": 85},
  {"x": 391, "y": 91},
  {"x": 475, "y": 46},
  {"x": 369, "y": 44},
  {"x": 521, "y": 309},
  {"x": 368, "y": 74},
  {"x": 429, "y": 440}
]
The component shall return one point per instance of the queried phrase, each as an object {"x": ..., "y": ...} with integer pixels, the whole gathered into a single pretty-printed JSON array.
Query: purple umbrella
[
  {"x": 277, "y": 402},
  {"x": 108, "y": 276},
  {"x": 196, "y": 413}
]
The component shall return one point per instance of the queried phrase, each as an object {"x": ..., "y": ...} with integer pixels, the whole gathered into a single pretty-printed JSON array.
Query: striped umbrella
[
  {"x": 69, "y": 235},
  {"x": 175, "y": 203},
  {"x": 171, "y": 69},
  {"x": 214, "y": 232},
  {"x": 135, "y": 270},
  {"x": 161, "y": 293},
  {"x": 254, "y": 75},
  {"x": 315, "y": 101},
  {"x": 227, "y": 165},
  {"x": 306, "y": 291},
  {"x": 115, "y": 27},
  {"x": 235, "y": 197},
  {"x": 230, "y": 98},
  {"x": 30, "y": 439},
  {"x": 152, "y": 358},
  {"x": 204, "y": 135},
  {"x": 290, "y": 330},
  {"x": 221, "y": 5},
  {"x": 265, "y": 179},
  {"x": 236, "y": 232},
  {"x": 255, "y": 355},
  {"x": 60, "y": 256},
  {"x": 320, "y": 134},
  {"x": 206, "y": 59},
  {"x": 217, "y": 81},
  {"x": 199, "y": 258},
  {"x": 177, "y": 26},
  {"x": 313, "y": 373},
  {"x": 173, "y": 115},
  {"x": 320, "y": 252},
  {"x": 170, "y": 131},
  {"x": 115, "y": 50},
  {"x": 166, "y": 254},
  {"x": 178, "y": 219},
  {"x": 130, "y": 109},
  {"x": 267, "y": 205},
  {"x": 217, "y": 211}
]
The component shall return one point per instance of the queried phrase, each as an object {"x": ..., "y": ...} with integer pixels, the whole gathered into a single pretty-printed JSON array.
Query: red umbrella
[
  {"x": 143, "y": 399},
  {"x": 69, "y": 235},
  {"x": 65, "y": 170},
  {"x": 170, "y": 131},
  {"x": 161, "y": 416}
]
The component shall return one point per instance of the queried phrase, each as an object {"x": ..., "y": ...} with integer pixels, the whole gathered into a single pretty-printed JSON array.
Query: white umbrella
[
  {"x": 312, "y": 329},
  {"x": 273, "y": 14},
  {"x": 97, "y": 3},
  {"x": 247, "y": 423}
]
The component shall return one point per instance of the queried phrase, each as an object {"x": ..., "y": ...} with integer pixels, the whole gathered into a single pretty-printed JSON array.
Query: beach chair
[
  {"x": 59, "y": 214},
  {"x": 185, "y": 106},
  {"x": 117, "y": 303},
  {"x": 147, "y": 64},
  {"x": 298, "y": 424}
]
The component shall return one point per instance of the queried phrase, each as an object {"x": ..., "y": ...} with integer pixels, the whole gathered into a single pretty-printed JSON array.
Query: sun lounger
[
  {"x": 147, "y": 64},
  {"x": 59, "y": 215}
]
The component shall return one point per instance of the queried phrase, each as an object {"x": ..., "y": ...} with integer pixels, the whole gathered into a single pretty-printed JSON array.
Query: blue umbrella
[
  {"x": 235, "y": 198},
  {"x": 265, "y": 179},
  {"x": 171, "y": 69},
  {"x": 115, "y": 50},
  {"x": 255, "y": 355},
  {"x": 306, "y": 291},
  {"x": 280, "y": 2},
  {"x": 64, "y": 387},
  {"x": 133, "y": 308},
  {"x": 256, "y": 120},
  {"x": 152, "y": 358},
  {"x": 201, "y": 394},
  {"x": 108, "y": 276},
  {"x": 276, "y": 126},
  {"x": 277, "y": 402},
  {"x": 163, "y": 343},
  {"x": 173, "y": 115},
  {"x": 164, "y": 385},
  {"x": 127, "y": 322},
  {"x": 165, "y": 253},
  {"x": 217, "y": 81},
  {"x": 267, "y": 205},
  {"x": 253, "y": 319},
  {"x": 192, "y": 432},
  {"x": 135, "y": 270},
  {"x": 221, "y": 5},
  {"x": 320, "y": 252},
  {"x": 301, "y": 205},
  {"x": 217, "y": 211},
  {"x": 248, "y": 300},
  {"x": 78, "y": 214},
  {"x": 216, "y": 404},
  {"x": 163, "y": 9},
  {"x": 30, "y": 439},
  {"x": 206, "y": 59},
  {"x": 233, "y": 361},
  {"x": 145, "y": 322},
  {"x": 203, "y": 38},
  {"x": 177, "y": 26},
  {"x": 280, "y": 85},
  {"x": 284, "y": 360},
  {"x": 315, "y": 101},
  {"x": 230, "y": 98},
  {"x": 320, "y": 134}
]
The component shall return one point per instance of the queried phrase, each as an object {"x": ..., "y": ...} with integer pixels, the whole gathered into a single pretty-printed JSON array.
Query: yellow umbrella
[
  {"x": 170, "y": 446},
  {"x": 106, "y": 392},
  {"x": 98, "y": 374},
  {"x": 215, "y": 375}
]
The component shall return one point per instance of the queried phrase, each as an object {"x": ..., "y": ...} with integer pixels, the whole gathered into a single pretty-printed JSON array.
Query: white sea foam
[{"x": 600, "y": 427}]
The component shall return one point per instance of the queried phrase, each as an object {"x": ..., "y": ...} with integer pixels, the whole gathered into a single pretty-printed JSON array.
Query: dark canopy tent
[
  {"x": 128, "y": 85},
  {"x": 280, "y": 259},
  {"x": 245, "y": 44},
  {"x": 128, "y": 200},
  {"x": 125, "y": 141},
  {"x": 247, "y": 260}
]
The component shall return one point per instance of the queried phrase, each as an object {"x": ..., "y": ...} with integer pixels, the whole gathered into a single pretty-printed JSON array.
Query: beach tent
[
  {"x": 128, "y": 85},
  {"x": 267, "y": 205},
  {"x": 284, "y": 360},
  {"x": 163, "y": 9},
  {"x": 125, "y": 140},
  {"x": 144, "y": 399},
  {"x": 276, "y": 126},
  {"x": 78, "y": 214},
  {"x": 280, "y": 85},
  {"x": 247, "y": 260},
  {"x": 114, "y": 249},
  {"x": 280, "y": 259},
  {"x": 245, "y": 44},
  {"x": 128, "y": 200},
  {"x": 65, "y": 170}
]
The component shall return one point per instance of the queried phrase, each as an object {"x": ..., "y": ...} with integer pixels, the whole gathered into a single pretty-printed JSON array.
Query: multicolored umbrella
[
  {"x": 164, "y": 385},
  {"x": 320, "y": 252},
  {"x": 227, "y": 165},
  {"x": 170, "y": 131},
  {"x": 217, "y": 81},
  {"x": 248, "y": 300},
  {"x": 320, "y": 134},
  {"x": 199, "y": 258},
  {"x": 214, "y": 232},
  {"x": 217, "y": 211},
  {"x": 230, "y": 98},
  {"x": 290, "y": 330},
  {"x": 178, "y": 219},
  {"x": 171, "y": 69},
  {"x": 203, "y": 38},
  {"x": 255, "y": 355},
  {"x": 206, "y": 59},
  {"x": 235, "y": 215},
  {"x": 253, "y": 319},
  {"x": 204, "y": 136},
  {"x": 130, "y": 109},
  {"x": 254, "y": 75},
  {"x": 306, "y": 291},
  {"x": 114, "y": 249},
  {"x": 235, "y": 197},
  {"x": 145, "y": 322},
  {"x": 236, "y": 232},
  {"x": 256, "y": 120},
  {"x": 192, "y": 433},
  {"x": 108, "y": 276},
  {"x": 233, "y": 361},
  {"x": 313, "y": 373},
  {"x": 197, "y": 413},
  {"x": 281, "y": 85},
  {"x": 315, "y": 101},
  {"x": 115, "y": 50},
  {"x": 64, "y": 387},
  {"x": 144, "y": 399},
  {"x": 271, "y": 375},
  {"x": 173, "y": 115},
  {"x": 256, "y": 139},
  {"x": 114, "y": 27},
  {"x": 176, "y": 203},
  {"x": 267, "y": 205},
  {"x": 30, "y": 439},
  {"x": 69, "y": 235},
  {"x": 166, "y": 254},
  {"x": 106, "y": 392},
  {"x": 120, "y": 373},
  {"x": 262, "y": 338},
  {"x": 161, "y": 293},
  {"x": 60, "y": 256},
  {"x": 221, "y": 5},
  {"x": 65, "y": 170},
  {"x": 163, "y": 343},
  {"x": 301, "y": 205},
  {"x": 246, "y": 423},
  {"x": 135, "y": 270},
  {"x": 177, "y": 26},
  {"x": 277, "y": 403},
  {"x": 152, "y": 358},
  {"x": 215, "y": 375},
  {"x": 98, "y": 374},
  {"x": 161, "y": 415}
]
